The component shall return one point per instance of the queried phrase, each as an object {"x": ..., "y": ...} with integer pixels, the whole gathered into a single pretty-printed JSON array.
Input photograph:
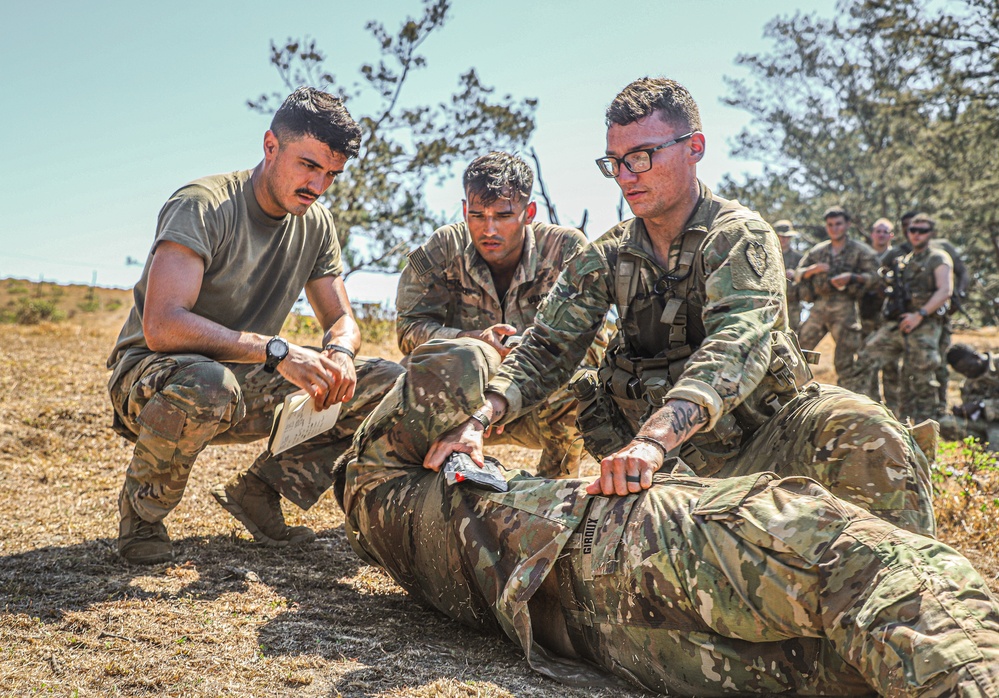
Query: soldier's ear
[
  {"x": 531, "y": 211},
  {"x": 697, "y": 147}
]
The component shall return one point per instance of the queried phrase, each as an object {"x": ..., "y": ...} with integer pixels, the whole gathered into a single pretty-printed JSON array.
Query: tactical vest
[
  {"x": 639, "y": 384},
  {"x": 917, "y": 276}
]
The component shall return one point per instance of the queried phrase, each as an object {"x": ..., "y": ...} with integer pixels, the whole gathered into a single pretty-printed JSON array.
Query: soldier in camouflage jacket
[
  {"x": 701, "y": 365},
  {"x": 485, "y": 278}
]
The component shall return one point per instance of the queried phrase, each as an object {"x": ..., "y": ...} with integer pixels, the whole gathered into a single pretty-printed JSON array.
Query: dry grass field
[{"x": 230, "y": 618}]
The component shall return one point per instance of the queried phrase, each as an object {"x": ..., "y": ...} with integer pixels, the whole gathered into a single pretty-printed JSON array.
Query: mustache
[{"x": 307, "y": 192}]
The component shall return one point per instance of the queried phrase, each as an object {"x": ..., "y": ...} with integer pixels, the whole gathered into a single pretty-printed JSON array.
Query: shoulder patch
[
  {"x": 756, "y": 255},
  {"x": 420, "y": 261}
]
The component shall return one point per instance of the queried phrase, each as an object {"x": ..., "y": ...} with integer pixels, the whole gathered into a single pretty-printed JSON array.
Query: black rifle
[{"x": 897, "y": 295}]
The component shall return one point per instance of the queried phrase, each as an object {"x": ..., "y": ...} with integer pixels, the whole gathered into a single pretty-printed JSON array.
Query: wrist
[
  {"x": 334, "y": 347},
  {"x": 648, "y": 440},
  {"x": 922, "y": 313}
]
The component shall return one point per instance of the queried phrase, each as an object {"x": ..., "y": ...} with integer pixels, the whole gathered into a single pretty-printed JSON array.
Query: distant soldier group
[{"x": 886, "y": 306}]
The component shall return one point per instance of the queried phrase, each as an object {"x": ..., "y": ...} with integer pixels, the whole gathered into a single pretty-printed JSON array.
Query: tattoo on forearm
[{"x": 684, "y": 417}]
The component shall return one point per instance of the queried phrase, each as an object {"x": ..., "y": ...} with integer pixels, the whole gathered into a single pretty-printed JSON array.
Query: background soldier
[
  {"x": 978, "y": 413},
  {"x": 787, "y": 235},
  {"x": 702, "y": 362},
  {"x": 833, "y": 276},
  {"x": 689, "y": 588},
  {"x": 484, "y": 279},
  {"x": 199, "y": 360},
  {"x": 921, "y": 287},
  {"x": 962, "y": 279}
]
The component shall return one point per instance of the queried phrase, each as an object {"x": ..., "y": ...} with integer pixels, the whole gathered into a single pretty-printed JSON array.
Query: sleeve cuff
[
  {"x": 510, "y": 393},
  {"x": 699, "y": 393}
]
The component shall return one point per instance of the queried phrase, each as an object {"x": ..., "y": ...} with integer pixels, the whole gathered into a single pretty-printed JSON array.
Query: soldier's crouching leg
[
  {"x": 854, "y": 447},
  {"x": 303, "y": 473},
  {"x": 552, "y": 428},
  {"x": 175, "y": 405}
]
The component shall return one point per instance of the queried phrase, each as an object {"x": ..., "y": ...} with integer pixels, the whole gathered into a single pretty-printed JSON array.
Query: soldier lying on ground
[
  {"x": 484, "y": 278},
  {"x": 978, "y": 413},
  {"x": 695, "y": 586}
]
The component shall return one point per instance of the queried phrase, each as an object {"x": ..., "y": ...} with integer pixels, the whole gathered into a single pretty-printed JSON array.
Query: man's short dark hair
[
  {"x": 498, "y": 175},
  {"x": 648, "y": 95},
  {"x": 836, "y": 212},
  {"x": 908, "y": 215},
  {"x": 317, "y": 114},
  {"x": 923, "y": 218}
]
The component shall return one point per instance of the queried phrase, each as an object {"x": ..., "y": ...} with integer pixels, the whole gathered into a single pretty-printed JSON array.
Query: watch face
[{"x": 277, "y": 348}]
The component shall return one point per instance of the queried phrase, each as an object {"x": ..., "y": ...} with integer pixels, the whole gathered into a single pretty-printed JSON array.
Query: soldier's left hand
[
  {"x": 628, "y": 471},
  {"x": 344, "y": 376},
  {"x": 909, "y": 322}
]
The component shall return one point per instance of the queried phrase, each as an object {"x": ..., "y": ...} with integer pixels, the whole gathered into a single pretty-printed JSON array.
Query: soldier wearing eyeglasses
[
  {"x": 925, "y": 276},
  {"x": 702, "y": 364}
]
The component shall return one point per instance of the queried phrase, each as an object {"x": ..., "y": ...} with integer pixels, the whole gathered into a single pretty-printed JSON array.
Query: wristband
[
  {"x": 650, "y": 440},
  {"x": 340, "y": 348}
]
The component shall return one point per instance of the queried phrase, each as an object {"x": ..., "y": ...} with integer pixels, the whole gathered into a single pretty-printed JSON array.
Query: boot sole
[
  {"x": 143, "y": 560},
  {"x": 233, "y": 507}
]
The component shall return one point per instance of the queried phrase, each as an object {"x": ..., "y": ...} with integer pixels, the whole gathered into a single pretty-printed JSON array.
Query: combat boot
[
  {"x": 139, "y": 541},
  {"x": 258, "y": 507}
]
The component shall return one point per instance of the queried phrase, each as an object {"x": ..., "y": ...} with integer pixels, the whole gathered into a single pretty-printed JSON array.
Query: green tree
[
  {"x": 379, "y": 202},
  {"x": 891, "y": 105}
]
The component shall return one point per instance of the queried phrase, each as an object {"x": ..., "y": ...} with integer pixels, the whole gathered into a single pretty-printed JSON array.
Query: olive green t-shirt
[{"x": 255, "y": 266}]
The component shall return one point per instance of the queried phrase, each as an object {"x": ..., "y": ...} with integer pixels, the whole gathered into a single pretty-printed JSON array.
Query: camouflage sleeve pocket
[{"x": 162, "y": 418}]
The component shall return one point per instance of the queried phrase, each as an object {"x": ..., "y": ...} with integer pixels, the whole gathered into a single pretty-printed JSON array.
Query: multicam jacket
[
  {"x": 447, "y": 287},
  {"x": 855, "y": 258},
  {"x": 734, "y": 298}
]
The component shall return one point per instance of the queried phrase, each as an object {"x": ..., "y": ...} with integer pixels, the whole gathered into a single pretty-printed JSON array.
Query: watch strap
[{"x": 480, "y": 417}]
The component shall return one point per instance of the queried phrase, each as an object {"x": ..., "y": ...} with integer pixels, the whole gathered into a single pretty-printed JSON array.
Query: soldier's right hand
[
  {"x": 493, "y": 336},
  {"x": 466, "y": 438},
  {"x": 317, "y": 375}
]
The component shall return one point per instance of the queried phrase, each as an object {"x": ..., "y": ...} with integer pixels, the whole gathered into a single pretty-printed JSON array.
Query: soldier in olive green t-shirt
[{"x": 199, "y": 359}]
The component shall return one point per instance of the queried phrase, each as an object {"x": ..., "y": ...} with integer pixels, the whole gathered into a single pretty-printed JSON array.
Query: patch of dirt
[{"x": 230, "y": 618}]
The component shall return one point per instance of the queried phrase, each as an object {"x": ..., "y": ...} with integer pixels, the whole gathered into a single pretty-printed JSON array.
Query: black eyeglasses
[
  {"x": 920, "y": 231},
  {"x": 637, "y": 160}
]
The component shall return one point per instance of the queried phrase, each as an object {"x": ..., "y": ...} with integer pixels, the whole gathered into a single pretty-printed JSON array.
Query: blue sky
[{"x": 110, "y": 106}]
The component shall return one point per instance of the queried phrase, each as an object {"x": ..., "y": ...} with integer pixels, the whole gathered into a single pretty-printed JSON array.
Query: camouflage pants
[
  {"x": 838, "y": 318},
  {"x": 943, "y": 372},
  {"x": 173, "y": 405},
  {"x": 552, "y": 428},
  {"x": 697, "y": 586},
  {"x": 919, "y": 352},
  {"x": 759, "y": 585}
]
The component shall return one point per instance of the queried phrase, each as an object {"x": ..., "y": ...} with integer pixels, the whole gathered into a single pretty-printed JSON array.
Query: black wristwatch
[
  {"x": 277, "y": 349},
  {"x": 922, "y": 311}
]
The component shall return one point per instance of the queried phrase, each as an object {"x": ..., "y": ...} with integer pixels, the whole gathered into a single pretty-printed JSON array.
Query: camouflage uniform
[
  {"x": 173, "y": 405},
  {"x": 791, "y": 259},
  {"x": 730, "y": 356},
  {"x": 834, "y": 311},
  {"x": 447, "y": 288},
  {"x": 984, "y": 426},
  {"x": 920, "y": 349},
  {"x": 694, "y": 587},
  {"x": 961, "y": 281}
]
